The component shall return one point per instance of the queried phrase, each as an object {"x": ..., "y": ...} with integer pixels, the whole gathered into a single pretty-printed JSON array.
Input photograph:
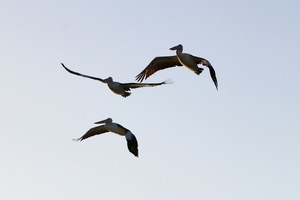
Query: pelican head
[
  {"x": 108, "y": 80},
  {"x": 178, "y": 47},
  {"x": 108, "y": 120}
]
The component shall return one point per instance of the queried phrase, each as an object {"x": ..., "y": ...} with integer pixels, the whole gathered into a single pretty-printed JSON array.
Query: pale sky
[{"x": 240, "y": 142}]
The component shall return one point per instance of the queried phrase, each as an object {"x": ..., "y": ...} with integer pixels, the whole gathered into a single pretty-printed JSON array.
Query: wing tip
[
  {"x": 135, "y": 152},
  {"x": 77, "y": 139},
  {"x": 140, "y": 77},
  {"x": 168, "y": 81}
]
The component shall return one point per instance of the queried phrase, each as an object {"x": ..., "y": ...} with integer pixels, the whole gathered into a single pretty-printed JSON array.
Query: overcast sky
[{"x": 240, "y": 142}]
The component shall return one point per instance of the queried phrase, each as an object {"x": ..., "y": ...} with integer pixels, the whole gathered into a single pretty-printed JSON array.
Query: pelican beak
[
  {"x": 174, "y": 48},
  {"x": 101, "y": 122}
]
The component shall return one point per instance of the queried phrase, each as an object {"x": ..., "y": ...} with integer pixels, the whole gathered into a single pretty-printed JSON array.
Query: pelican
[
  {"x": 181, "y": 59},
  {"x": 109, "y": 126},
  {"x": 118, "y": 88}
]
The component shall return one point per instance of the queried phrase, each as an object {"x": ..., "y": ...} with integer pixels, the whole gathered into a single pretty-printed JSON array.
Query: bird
[
  {"x": 110, "y": 126},
  {"x": 180, "y": 59},
  {"x": 116, "y": 87}
]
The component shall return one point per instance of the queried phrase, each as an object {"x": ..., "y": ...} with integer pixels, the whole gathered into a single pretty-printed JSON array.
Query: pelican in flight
[
  {"x": 181, "y": 59},
  {"x": 109, "y": 126},
  {"x": 118, "y": 88}
]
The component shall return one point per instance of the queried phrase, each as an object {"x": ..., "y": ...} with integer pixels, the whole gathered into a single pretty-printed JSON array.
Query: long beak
[
  {"x": 101, "y": 122},
  {"x": 174, "y": 48}
]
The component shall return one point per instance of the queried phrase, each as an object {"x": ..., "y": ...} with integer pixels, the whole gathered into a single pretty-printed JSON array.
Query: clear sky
[{"x": 240, "y": 142}]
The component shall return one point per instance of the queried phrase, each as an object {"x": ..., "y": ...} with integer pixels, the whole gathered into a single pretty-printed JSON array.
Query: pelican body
[
  {"x": 116, "y": 87},
  {"x": 110, "y": 126},
  {"x": 181, "y": 59}
]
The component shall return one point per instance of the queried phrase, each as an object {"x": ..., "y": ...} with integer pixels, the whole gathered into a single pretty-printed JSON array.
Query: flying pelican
[
  {"x": 109, "y": 126},
  {"x": 181, "y": 59},
  {"x": 118, "y": 88}
]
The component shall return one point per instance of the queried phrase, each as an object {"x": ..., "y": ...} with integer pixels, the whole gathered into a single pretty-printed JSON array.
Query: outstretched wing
[
  {"x": 78, "y": 74},
  {"x": 158, "y": 63},
  {"x": 206, "y": 63},
  {"x": 92, "y": 132},
  {"x": 128, "y": 86}
]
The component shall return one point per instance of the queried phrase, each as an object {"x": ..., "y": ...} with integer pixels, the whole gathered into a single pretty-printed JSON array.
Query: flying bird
[
  {"x": 118, "y": 88},
  {"x": 181, "y": 59},
  {"x": 110, "y": 126}
]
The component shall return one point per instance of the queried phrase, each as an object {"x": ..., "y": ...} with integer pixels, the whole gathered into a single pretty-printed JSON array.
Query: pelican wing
[
  {"x": 157, "y": 64},
  {"x": 132, "y": 145},
  {"x": 206, "y": 63},
  {"x": 78, "y": 74},
  {"x": 92, "y": 132},
  {"x": 128, "y": 86}
]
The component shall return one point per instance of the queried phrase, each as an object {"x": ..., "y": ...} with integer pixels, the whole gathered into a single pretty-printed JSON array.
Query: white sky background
[{"x": 241, "y": 142}]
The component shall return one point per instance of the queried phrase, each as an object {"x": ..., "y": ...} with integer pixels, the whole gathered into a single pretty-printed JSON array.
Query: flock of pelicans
[{"x": 159, "y": 63}]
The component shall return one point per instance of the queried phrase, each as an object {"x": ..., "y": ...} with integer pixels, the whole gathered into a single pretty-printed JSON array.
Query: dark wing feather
[
  {"x": 128, "y": 86},
  {"x": 92, "y": 132},
  {"x": 206, "y": 63},
  {"x": 132, "y": 145},
  {"x": 78, "y": 74},
  {"x": 158, "y": 63}
]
